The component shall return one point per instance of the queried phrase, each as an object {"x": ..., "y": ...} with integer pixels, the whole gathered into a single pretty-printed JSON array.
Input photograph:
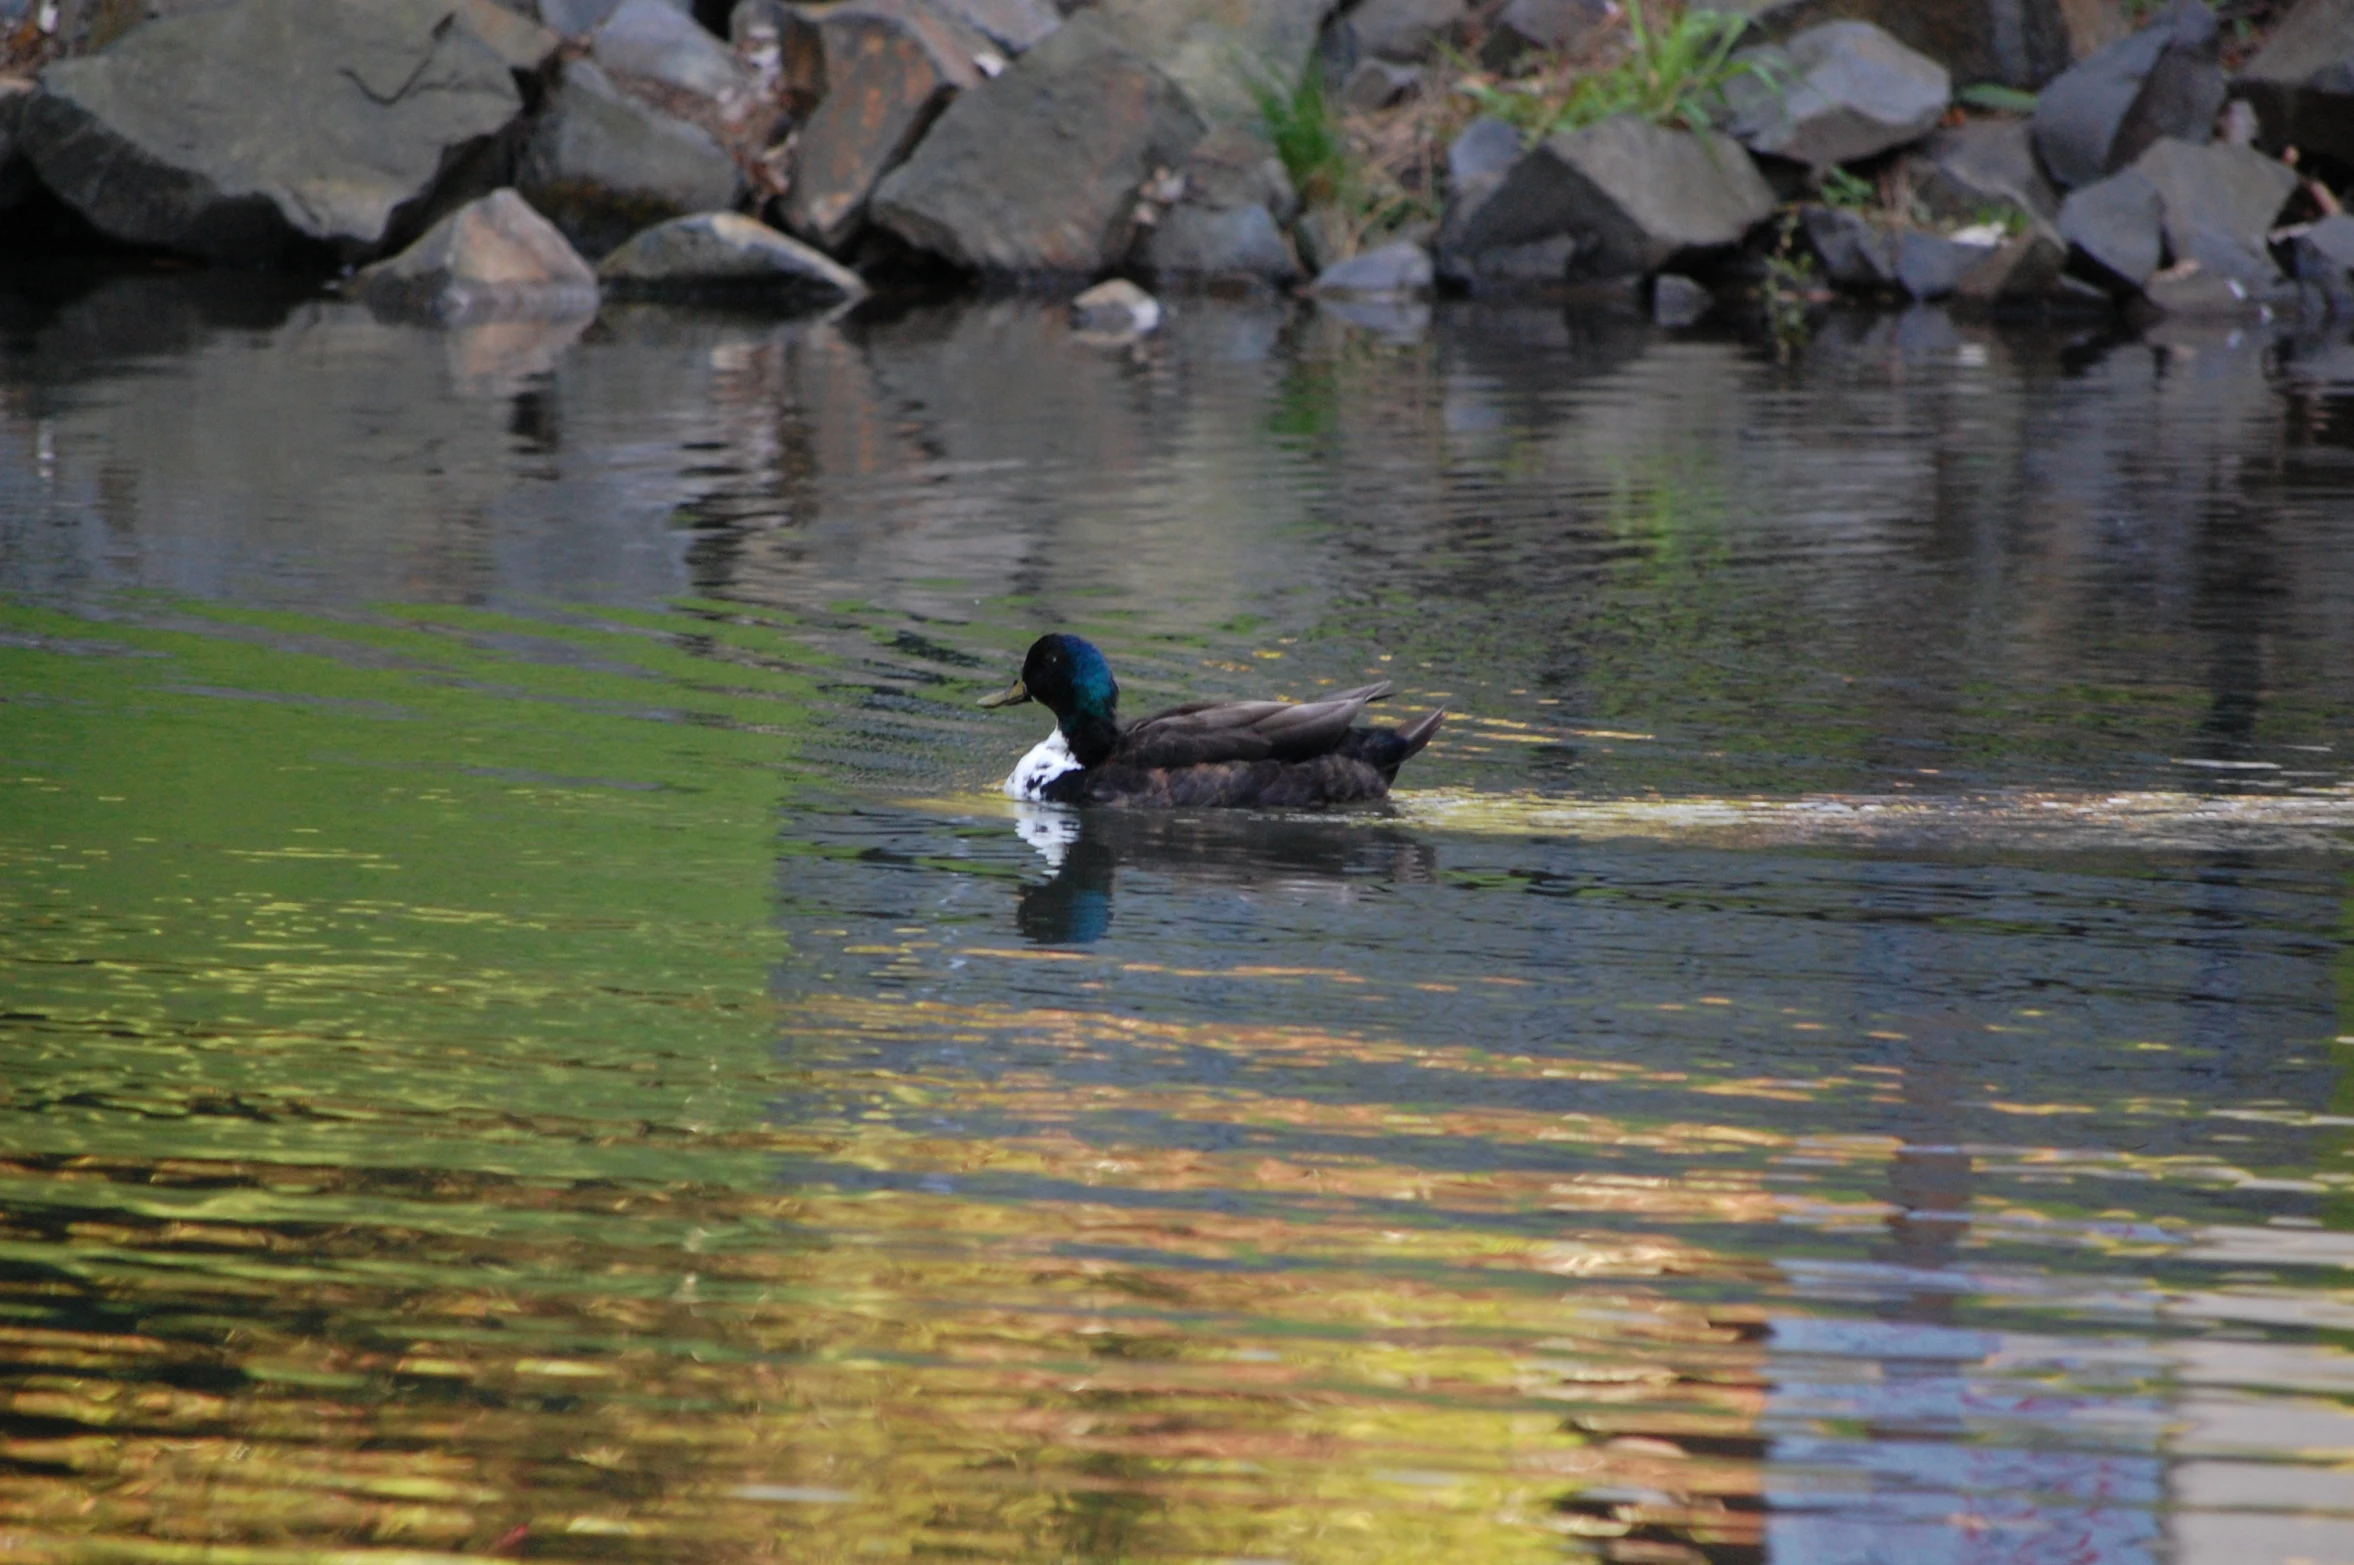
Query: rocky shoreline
[{"x": 471, "y": 160}]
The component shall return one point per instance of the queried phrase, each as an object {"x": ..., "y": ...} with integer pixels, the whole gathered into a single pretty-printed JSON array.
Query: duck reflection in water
[{"x": 1086, "y": 849}]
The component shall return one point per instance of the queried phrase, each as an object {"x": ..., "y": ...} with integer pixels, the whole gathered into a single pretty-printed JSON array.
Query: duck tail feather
[{"x": 1387, "y": 749}]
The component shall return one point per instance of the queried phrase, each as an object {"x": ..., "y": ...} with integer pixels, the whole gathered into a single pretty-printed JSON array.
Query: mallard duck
[{"x": 1276, "y": 754}]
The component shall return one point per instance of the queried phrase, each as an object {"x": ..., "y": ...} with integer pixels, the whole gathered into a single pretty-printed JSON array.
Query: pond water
[{"x": 526, "y": 1029}]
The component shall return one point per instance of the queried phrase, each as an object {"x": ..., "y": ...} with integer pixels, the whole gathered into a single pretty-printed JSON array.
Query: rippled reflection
[{"x": 526, "y": 1030}]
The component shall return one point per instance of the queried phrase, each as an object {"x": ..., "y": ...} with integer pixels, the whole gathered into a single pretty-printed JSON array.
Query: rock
[
  {"x": 1856, "y": 253},
  {"x": 1217, "y": 50},
  {"x": 2117, "y": 225},
  {"x": 1541, "y": 265},
  {"x": 2018, "y": 43},
  {"x": 1229, "y": 222},
  {"x": 2189, "y": 289},
  {"x": 492, "y": 259},
  {"x": 2219, "y": 203},
  {"x": 1393, "y": 271},
  {"x": 524, "y": 44},
  {"x": 1376, "y": 84},
  {"x": 16, "y": 171},
  {"x": 1962, "y": 170},
  {"x": 579, "y": 18},
  {"x": 2103, "y": 113},
  {"x": 1409, "y": 30},
  {"x": 603, "y": 165},
  {"x": 1836, "y": 94},
  {"x": 1527, "y": 27},
  {"x": 2324, "y": 255},
  {"x": 1040, "y": 172},
  {"x": 1015, "y": 26},
  {"x": 729, "y": 254},
  {"x": 1678, "y": 301},
  {"x": 1931, "y": 266},
  {"x": 654, "y": 42},
  {"x": 1117, "y": 308},
  {"x": 2023, "y": 267},
  {"x": 762, "y": 31},
  {"x": 234, "y": 133},
  {"x": 1486, "y": 149},
  {"x": 2302, "y": 81},
  {"x": 1634, "y": 195},
  {"x": 891, "y": 67}
]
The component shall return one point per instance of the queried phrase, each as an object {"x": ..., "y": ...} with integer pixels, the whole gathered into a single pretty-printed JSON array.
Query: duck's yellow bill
[{"x": 1012, "y": 695}]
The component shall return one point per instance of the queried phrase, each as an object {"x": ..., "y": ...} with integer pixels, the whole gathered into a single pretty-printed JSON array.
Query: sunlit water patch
[{"x": 527, "y": 1031}]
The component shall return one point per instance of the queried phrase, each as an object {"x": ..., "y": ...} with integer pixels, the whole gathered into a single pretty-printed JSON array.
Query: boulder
[
  {"x": 579, "y": 18},
  {"x": 1836, "y": 94},
  {"x": 2219, "y": 203},
  {"x": 2302, "y": 81},
  {"x": 1525, "y": 27},
  {"x": 235, "y": 133},
  {"x": 2103, "y": 113},
  {"x": 1539, "y": 266},
  {"x": 1678, "y": 301},
  {"x": 1408, "y": 31},
  {"x": 1931, "y": 266},
  {"x": 492, "y": 259},
  {"x": 2117, "y": 224},
  {"x": 891, "y": 67},
  {"x": 1376, "y": 84},
  {"x": 1485, "y": 149},
  {"x": 653, "y": 42},
  {"x": 1217, "y": 51},
  {"x": 524, "y": 44},
  {"x": 2324, "y": 255},
  {"x": 1962, "y": 170},
  {"x": 726, "y": 253},
  {"x": 1857, "y": 254},
  {"x": 1393, "y": 271},
  {"x": 1117, "y": 309},
  {"x": 603, "y": 165},
  {"x": 1631, "y": 194},
  {"x": 2024, "y": 267},
  {"x": 786, "y": 44},
  {"x": 2188, "y": 289},
  {"x": 1040, "y": 172},
  {"x": 1014, "y": 26},
  {"x": 2017, "y": 43},
  {"x": 1228, "y": 223}
]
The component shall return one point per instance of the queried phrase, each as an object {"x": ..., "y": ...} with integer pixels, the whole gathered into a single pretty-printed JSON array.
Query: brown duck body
[{"x": 1269, "y": 754}]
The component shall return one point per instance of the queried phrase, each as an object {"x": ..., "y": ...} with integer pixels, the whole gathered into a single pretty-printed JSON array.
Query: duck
[{"x": 1267, "y": 754}]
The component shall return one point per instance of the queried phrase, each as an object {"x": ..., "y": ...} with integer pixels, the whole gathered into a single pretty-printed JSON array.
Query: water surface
[{"x": 526, "y": 1030}]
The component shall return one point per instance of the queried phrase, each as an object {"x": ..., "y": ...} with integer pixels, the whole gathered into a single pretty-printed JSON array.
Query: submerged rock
[
  {"x": 1630, "y": 194},
  {"x": 1040, "y": 172},
  {"x": 1394, "y": 271},
  {"x": 234, "y": 133},
  {"x": 2302, "y": 80},
  {"x": 891, "y": 66},
  {"x": 492, "y": 259},
  {"x": 1836, "y": 94},
  {"x": 725, "y": 253},
  {"x": 2162, "y": 81},
  {"x": 603, "y": 165}
]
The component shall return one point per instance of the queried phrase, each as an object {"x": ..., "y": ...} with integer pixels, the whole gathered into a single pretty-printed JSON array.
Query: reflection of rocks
[
  {"x": 504, "y": 358},
  {"x": 493, "y": 259},
  {"x": 236, "y": 133}
]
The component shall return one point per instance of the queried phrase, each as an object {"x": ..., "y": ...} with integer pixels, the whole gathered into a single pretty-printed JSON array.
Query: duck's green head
[{"x": 1069, "y": 677}]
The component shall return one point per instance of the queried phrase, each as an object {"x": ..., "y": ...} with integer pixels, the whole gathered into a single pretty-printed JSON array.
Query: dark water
[{"x": 525, "y": 1028}]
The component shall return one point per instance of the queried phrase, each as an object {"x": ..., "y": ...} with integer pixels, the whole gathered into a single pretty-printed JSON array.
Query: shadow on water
[{"x": 1086, "y": 852}]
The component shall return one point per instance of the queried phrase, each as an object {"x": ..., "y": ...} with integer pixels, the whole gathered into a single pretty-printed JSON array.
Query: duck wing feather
[{"x": 1202, "y": 733}]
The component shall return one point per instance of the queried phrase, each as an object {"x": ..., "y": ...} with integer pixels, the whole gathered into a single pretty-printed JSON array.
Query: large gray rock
[
  {"x": 1526, "y": 27},
  {"x": 1408, "y": 30},
  {"x": 1962, "y": 170},
  {"x": 234, "y": 133},
  {"x": 2117, "y": 224},
  {"x": 1838, "y": 93},
  {"x": 1015, "y": 26},
  {"x": 1631, "y": 195},
  {"x": 1216, "y": 51},
  {"x": 604, "y": 165},
  {"x": 891, "y": 67},
  {"x": 492, "y": 259},
  {"x": 2103, "y": 113},
  {"x": 1856, "y": 253},
  {"x": 2302, "y": 80},
  {"x": 1931, "y": 266},
  {"x": 2018, "y": 43},
  {"x": 654, "y": 42},
  {"x": 524, "y": 44},
  {"x": 2219, "y": 203},
  {"x": 1040, "y": 172},
  {"x": 579, "y": 18},
  {"x": 1228, "y": 224},
  {"x": 728, "y": 254}
]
